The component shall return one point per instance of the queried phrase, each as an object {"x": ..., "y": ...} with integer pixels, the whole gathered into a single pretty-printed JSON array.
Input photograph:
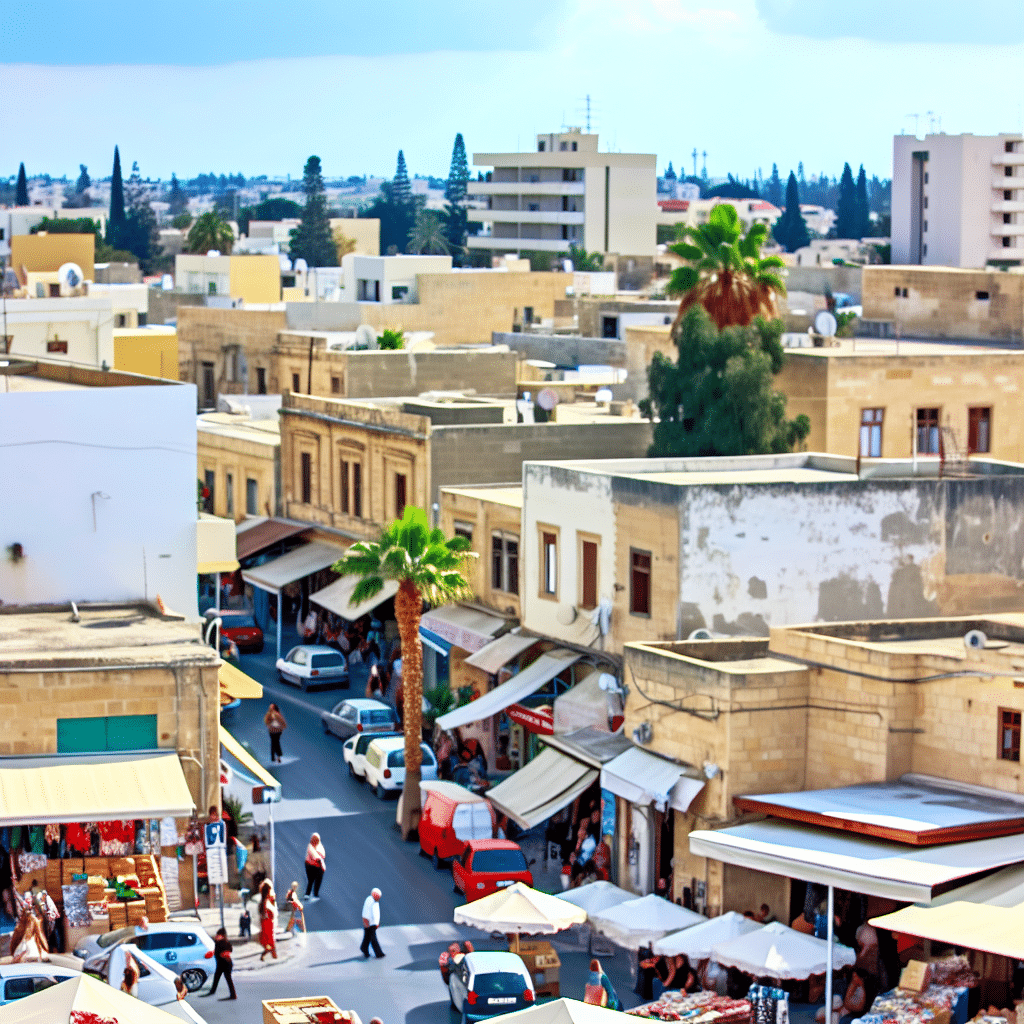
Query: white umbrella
[
  {"x": 564, "y": 1011},
  {"x": 520, "y": 910},
  {"x": 595, "y": 897},
  {"x": 776, "y": 951},
  {"x": 643, "y": 921},
  {"x": 62, "y": 1003},
  {"x": 696, "y": 942}
]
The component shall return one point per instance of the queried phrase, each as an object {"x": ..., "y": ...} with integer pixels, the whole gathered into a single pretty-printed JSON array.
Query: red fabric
[
  {"x": 78, "y": 839},
  {"x": 267, "y": 935}
]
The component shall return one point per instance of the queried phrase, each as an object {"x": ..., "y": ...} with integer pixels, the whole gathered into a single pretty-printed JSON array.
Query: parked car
[
  {"x": 156, "y": 982},
  {"x": 313, "y": 665},
  {"x": 488, "y": 984},
  {"x": 354, "y": 751},
  {"x": 240, "y": 627},
  {"x": 181, "y": 946},
  {"x": 452, "y": 816},
  {"x": 488, "y": 865},
  {"x": 385, "y": 764},
  {"x": 26, "y": 979},
  {"x": 359, "y": 714}
]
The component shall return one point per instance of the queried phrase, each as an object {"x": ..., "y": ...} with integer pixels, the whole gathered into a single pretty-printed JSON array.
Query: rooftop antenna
[
  {"x": 588, "y": 113},
  {"x": 694, "y": 154},
  {"x": 931, "y": 121},
  {"x": 704, "y": 170}
]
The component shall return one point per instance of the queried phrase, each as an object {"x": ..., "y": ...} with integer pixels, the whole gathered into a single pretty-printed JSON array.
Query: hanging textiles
[{"x": 768, "y": 1005}]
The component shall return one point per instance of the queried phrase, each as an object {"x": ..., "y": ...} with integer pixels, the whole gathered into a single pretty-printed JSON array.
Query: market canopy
[
  {"x": 696, "y": 942},
  {"x": 639, "y": 922},
  {"x": 92, "y": 787},
  {"x": 336, "y": 597},
  {"x": 235, "y": 683},
  {"x": 998, "y": 930},
  {"x": 472, "y": 629},
  {"x": 777, "y": 951},
  {"x": 643, "y": 778},
  {"x": 566, "y": 1011},
  {"x": 520, "y": 686},
  {"x": 262, "y": 535},
  {"x": 593, "y": 897},
  {"x": 1003, "y": 888},
  {"x": 246, "y": 760},
  {"x": 498, "y": 653},
  {"x": 874, "y": 867},
  {"x": 586, "y": 705},
  {"x": 520, "y": 910},
  {"x": 542, "y": 787},
  {"x": 296, "y": 565}
]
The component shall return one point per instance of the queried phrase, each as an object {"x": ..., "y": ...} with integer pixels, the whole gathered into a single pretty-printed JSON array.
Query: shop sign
[
  {"x": 217, "y": 865},
  {"x": 539, "y": 720}
]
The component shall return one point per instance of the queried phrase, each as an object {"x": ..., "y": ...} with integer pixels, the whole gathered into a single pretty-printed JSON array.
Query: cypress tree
[
  {"x": 774, "y": 189},
  {"x": 790, "y": 230},
  {"x": 116, "y": 220},
  {"x": 21, "y": 189},
  {"x": 84, "y": 181},
  {"x": 863, "y": 207},
  {"x": 846, "y": 213},
  {"x": 401, "y": 188},
  {"x": 176, "y": 198},
  {"x": 312, "y": 239},
  {"x": 455, "y": 192}
]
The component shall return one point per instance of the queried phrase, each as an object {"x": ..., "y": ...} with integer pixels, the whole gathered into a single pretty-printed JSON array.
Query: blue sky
[{"x": 257, "y": 87}]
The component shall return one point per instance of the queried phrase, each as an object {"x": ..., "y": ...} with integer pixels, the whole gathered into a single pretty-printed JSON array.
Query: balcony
[
  {"x": 515, "y": 244},
  {"x": 1008, "y": 206},
  {"x": 1001, "y": 230},
  {"x": 1001, "y": 182},
  {"x": 534, "y": 188},
  {"x": 1008, "y": 159},
  {"x": 531, "y": 216}
]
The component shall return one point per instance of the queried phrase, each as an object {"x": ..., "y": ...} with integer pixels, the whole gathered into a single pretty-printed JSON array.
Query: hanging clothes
[
  {"x": 768, "y": 1005},
  {"x": 78, "y": 838}
]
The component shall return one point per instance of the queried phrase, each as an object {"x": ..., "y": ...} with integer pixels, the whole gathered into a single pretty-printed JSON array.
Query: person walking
[
  {"x": 294, "y": 906},
  {"x": 268, "y": 920},
  {"x": 371, "y": 921},
  {"x": 599, "y": 990},
  {"x": 224, "y": 964},
  {"x": 276, "y": 724},
  {"x": 316, "y": 865}
]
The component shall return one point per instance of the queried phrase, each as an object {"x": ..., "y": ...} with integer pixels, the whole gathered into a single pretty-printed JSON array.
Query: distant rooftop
[
  {"x": 241, "y": 428},
  {"x": 20, "y": 374},
  {"x": 499, "y": 494}
]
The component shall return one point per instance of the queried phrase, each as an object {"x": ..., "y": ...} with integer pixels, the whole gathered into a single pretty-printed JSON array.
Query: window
[
  {"x": 399, "y": 292},
  {"x": 540, "y": 147},
  {"x": 639, "y": 582},
  {"x": 609, "y": 327},
  {"x": 588, "y": 574},
  {"x": 527, "y": 314},
  {"x": 343, "y": 496},
  {"x": 54, "y": 291},
  {"x": 57, "y": 346},
  {"x": 211, "y": 287},
  {"x": 575, "y": 147},
  {"x": 1008, "y": 195},
  {"x": 368, "y": 290},
  {"x": 926, "y": 225},
  {"x": 534, "y": 207},
  {"x": 1007, "y": 172},
  {"x": 1009, "y": 735},
  {"x": 120, "y": 320},
  {"x": 871, "y": 433},
  {"x": 1007, "y": 147},
  {"x": 113, "y": 732},
  {"x": 209, "y": 481},
  {"x": 565, "y": 231},
  {"x": 981, "y": 296},
  {"x": 1006, "y": 241},
  {"x": 251, "y": 497},
  {"x": 229, "y": 492},
  {"x": 335, "y": 385},
  {"x": 563, "y": 146},
  {"x": 549, "y": 563},
  {"x": 572, "y": 174},
  {"x": 1007, "y": 219},
  {"x": 926, "y": 203},
  {"x": 357, "y": 490},
  {"x": 926, "y": 177},
  {"x": 296, "y": 386},
  {"x": 307, "y": 477},
  {"x": 924, "y": 252},
  {"x": 504, "y": 562},
  {"x": 464, "y": 530},
  {"x": 209, "y": 397},
  {"x": 261, "y": 380},
  {"x": 928, "y": 432},
  {"x": 400, "y": 482},
  {"x": 979, "y": 430}
]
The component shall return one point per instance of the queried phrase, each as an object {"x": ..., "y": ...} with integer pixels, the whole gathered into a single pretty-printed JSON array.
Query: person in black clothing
[
  {"x": 646, "y": 964},
  {"x": 222, "y": 956}
]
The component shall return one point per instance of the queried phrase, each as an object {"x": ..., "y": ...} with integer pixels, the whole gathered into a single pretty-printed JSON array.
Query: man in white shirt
[{"x": 371, "y": 919}]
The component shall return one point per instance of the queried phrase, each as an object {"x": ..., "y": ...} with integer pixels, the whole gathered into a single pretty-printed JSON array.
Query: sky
[{"x": 256, "y": 87}]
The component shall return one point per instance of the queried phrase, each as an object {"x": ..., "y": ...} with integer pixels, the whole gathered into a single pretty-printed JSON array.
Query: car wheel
[
  {"x": 352, "y": 770},
  {"x": 436, "y": 860},
  {"x": 327, "y": 728},
  {"x": 382, "y": 793},
  {"x": 194, "y": 979}
]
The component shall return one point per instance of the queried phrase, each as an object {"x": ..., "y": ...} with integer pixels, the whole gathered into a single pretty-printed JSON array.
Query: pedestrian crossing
[
  {"x": 396, "y": 936},
  {"x": 299, "y": 810}
]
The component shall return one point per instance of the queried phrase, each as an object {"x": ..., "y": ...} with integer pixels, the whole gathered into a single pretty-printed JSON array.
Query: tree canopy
[
  {"x": 428, "y": 235},
  {"x": 395, "y": 209},
  {"x": 456, "y": 191},
  {"x": 846, "y": 211},
  {"x": 312, "y": 240},
  {"x": 583, "y": 260},
  {"x": 790, "y": 230},
  {"x": 21, "y": 188},
  {"x": 863, "y": 207},
  {"x": 210, "y": 231},
  {"x": 176, "y": 198}
]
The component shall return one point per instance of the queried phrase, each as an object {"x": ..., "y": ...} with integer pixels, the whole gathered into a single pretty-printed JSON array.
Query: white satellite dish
[
  {"x": 300, "y": 266},
  {"x": 70, "y": 277},
  {"x": 366, "y": 337},
  {"x": 547, "y": 399},
  {"x": 213, "y": 252},
  {"x": 603, "y": 395},
  {"x": 567, "y": 267},
  {"x": 826, "y": 324}
]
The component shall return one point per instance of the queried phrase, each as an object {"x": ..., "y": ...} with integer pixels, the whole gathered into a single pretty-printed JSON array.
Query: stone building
[{"x": 239, "y": 462}]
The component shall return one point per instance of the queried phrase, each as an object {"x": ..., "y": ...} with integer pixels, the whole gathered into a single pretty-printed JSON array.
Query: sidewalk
[{"x": 245, "y": 952}]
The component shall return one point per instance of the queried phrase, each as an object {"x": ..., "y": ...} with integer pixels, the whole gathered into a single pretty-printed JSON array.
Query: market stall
[
  {"x": 929, "y": 993},
  {"x": 696, "y": 1008},
  {"x": 777, "y": 951},
  {"x": 698, "y": 941},
  {"x": 640, "y": 922}
]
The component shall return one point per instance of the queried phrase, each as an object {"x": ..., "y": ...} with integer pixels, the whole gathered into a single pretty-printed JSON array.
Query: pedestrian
[
  {"x": 294, "y": 905},
  {"x": 245, "y": 923},
  {"x": 275, "y": 723},
  {"x": 224, "y": 966},
  {"x": 371, "y": 921},
  {"x": 599, "y": 990},
  {"x": 316, "y": 865},
  {"x": 130, "y": 981},
  {"x": 180, "y": 988},
  {"x": 268, "y": 920}
]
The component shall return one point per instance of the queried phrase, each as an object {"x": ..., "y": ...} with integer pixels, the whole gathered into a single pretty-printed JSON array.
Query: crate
[
  {"x": 70, "y": 867},
  {"x": 549, "y": 990},
  {"x": 136, "y": 911},
  {"x": 307, "y": 1010},
  {"x": 97, "y": 866},
  {"x": 118, "y": 916}
]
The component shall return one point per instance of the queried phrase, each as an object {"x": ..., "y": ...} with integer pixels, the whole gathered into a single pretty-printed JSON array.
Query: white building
[
  {"x": 74, "y": 329},
  {"x": 958, "y": 200},
  {"x": 566, "y": 193},
  {"x": 99, "y": 502},
  {"x": 387, "y": 279}
]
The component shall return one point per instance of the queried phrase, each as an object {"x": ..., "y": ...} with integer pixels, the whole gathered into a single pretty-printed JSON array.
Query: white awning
[
  {"x": 469, "y": 628},
  {"x": 498, "y": 653},
  {"x": 245, "y": 759},
  {"x": 873, "y": 867},
  {"x": 586, "y": 706},
  {"x": 530, "y": 680},
  {"x": 295, "y": 565},
  {"x": 543, "y": 787},
  {"x": 642, "y": 778},
  {"x": 335, "y": 597}
]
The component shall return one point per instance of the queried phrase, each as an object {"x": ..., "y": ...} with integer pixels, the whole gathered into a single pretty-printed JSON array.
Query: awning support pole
[
  {"x": 280, "y": 615},
  {"x": 831, "y": 942},
  {"x": 217, "y": 598}
]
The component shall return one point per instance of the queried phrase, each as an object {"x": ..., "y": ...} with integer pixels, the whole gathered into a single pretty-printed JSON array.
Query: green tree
[
  {"x": 275, "y": 208},
  {"x": 717, "y": 398},
  {"x": 583, "y": 260},
  {"x": 790, "y": 230},
  {"x": 181, "y": 220},
  {"x": 85, "y": 226},
  {"x": 863, "y": 207},
  {"x": 846, "y": 211},
  {"x": 456, "y": 192},
  {"x": 428, "y": 234},
  {"x": 21, "y": 188},
  {"x": 429, "y": 567},
  {"x": 312, "y": 239},
  {"x": 773, "y": 192},
  {"x": 139, "y": 232},
  {"x": 401, "y": 187},
  {"x": 84, "y": 181},
  {"x": 725, "y": 271},
  {"x": 390, "y": 340},
  {"x": 117, "y": 219},
  {"x": 210, "y": 231},
  {"x": 176, "y": 198}
]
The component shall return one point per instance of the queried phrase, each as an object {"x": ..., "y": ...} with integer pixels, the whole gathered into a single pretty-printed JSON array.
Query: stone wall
[{"x": 565, "y": 350}]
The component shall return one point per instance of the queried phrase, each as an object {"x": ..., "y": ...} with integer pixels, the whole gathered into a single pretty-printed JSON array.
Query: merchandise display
[{"x": 697, "y": 1008}]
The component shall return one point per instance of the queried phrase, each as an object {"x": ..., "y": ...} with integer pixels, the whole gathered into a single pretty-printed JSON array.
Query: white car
[
  {"x": 489, "y": 984},
  {"x": 183, "y": 947},
  {"x": 358, "y": 715},
  {"x": 156, "y": 982},
  {"x": 385, "y": 765},
  {"x": 313, "y": 665},
  {"x": 354, "y": 751},
  {"x": 26, "y": 979}
]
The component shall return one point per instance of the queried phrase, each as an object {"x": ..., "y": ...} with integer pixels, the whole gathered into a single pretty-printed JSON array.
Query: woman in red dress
[{"x": 268, "y": 920}]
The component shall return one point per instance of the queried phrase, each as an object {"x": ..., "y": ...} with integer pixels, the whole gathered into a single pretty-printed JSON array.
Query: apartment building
[
  {"x": 248, "y": 277},
  {"x": 239, "y": 462},
  {"x": 567, "y": 193},
  {"x": 958, "y": 200}
]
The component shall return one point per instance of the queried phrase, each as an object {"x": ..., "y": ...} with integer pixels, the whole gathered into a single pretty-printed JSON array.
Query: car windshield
[
  {"x": 111, "y": 938},
  {"x": 499, "y": 983},
  {"x": 499, "y": 861},
  {"x": 377, "y": 717},
  {"x": 239, "y": 621}
]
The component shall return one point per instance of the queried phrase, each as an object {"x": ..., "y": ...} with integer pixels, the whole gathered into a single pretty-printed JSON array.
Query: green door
[
  {"x": 131, "y": 732},
  {"x": 114, "y": 732}
]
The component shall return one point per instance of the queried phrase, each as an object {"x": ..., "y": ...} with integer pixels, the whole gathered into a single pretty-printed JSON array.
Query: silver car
[
  {"x": 359, "y": 714},
  {"x": 313, "y": 665},
  {"x": 183, "y": 947}
]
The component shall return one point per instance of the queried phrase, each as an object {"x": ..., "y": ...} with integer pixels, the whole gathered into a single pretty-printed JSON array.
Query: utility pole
[
  {"x": 704, "y": 169},
  {"x": 695, "y": 161}
]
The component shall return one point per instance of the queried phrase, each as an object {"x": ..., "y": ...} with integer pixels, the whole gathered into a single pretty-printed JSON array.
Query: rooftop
[
  {"x": 498, "y": 494},
  {"x": 226, "y": 424},
  {"x": 741, "y": 657},
  {"x": 20, "y": 374},
  {"x": 105, "y": 635}
]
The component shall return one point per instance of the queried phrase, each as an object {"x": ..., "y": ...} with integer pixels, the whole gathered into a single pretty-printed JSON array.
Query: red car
[
  {"x": 487, "y": 865},
  {"x": 241, "y": 627}
]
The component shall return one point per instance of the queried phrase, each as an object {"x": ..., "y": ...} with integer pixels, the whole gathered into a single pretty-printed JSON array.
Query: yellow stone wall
[
  {"x": 244, "y": 460},
  {"x": 46, "y": 252},
  {"x": 149, "y": 351}
]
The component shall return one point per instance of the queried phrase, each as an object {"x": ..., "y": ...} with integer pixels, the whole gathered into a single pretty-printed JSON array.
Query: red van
[
  {"x": 451, "y": 817},
  {"x": 488, "y": 865}
]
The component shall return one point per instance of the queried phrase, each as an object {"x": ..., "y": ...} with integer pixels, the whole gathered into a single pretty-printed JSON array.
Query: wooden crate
[
  {"x": 97, "y": 866},
  {"x": 306, "y": 1010}
]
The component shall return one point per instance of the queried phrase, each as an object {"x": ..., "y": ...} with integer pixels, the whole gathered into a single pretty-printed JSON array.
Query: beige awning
[
  {"x": 468, "y": 628},
  {"x": 295, "y": 565},
  {"x": 215, "y": 544},
  {"x": 498, "y": 653},
  {"x": 973, "y": 925},
  {"x": 92, "y": 787},
  {"x": 235, "y": 683},
  {"x": 335, "y": 597},
  {"x": 245, "y": 759},
  {"x": 550, "y": 781}
]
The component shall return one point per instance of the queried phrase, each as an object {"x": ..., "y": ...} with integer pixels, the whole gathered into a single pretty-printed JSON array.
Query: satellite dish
[
  {"x": 547, "y": 399},
  {"x": 603, "y": 395},
  {"x": 607, "y": 682},
  {"x": 366, "y": 337},
  {"x": 700, "y": 634},
  {"x": 825, "y": 324},
  {"x": 975, "y": 640},
  {"x": 300, "y": 266},
  {"x": 566, "y": 615},
  {"x": 70, "y": 276}
]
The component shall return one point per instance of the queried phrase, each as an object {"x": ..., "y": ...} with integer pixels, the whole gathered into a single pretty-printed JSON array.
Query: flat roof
[
  {"x": 26, "y": 382},
  {"x": 908, "y": 348},
  {"x": 499, "y": 494},
  {"x": 226, "y": 424},
  {"x": 104, "y": 635},
  {"x": 798, "y": 475}
]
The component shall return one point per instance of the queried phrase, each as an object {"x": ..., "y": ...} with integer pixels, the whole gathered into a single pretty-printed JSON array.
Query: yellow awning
[
  {"x": 92, "y": 787},
  {"x": 205, "y": 568},
  {"x": 972, "y": 925},
  {"x": 245, "y": 759},
  {"x": 235, "y": 683}
]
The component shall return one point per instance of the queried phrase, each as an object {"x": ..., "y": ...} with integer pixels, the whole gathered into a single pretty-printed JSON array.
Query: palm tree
[
  {"x": 427, "y": 567},
  {"x": 427, "y": 235},
  {"x": 583, "y": 260},
  {"x": 726, "y": 273},
  {"x": 210, "y": 231}
]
